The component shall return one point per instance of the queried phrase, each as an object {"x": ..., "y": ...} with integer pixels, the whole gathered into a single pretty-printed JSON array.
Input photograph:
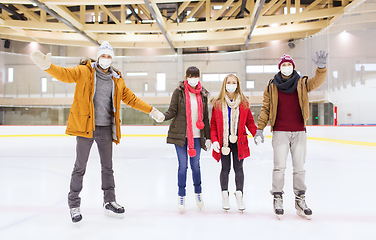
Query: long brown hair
[{"x": 222, "y": 93}]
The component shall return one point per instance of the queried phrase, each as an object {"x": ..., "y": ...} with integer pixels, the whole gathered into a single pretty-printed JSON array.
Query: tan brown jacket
[
  {"x": 270, "y": 101},
  {"x": 81, "y": 120}
]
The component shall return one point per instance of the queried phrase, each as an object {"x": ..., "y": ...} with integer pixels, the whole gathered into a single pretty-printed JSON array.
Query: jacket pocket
[
  {"x": 243, "y": 140},
  {"x": 78, "y": 121}
]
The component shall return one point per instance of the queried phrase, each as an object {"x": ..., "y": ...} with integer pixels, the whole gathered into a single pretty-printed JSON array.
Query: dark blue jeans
[{"x": 183, "y": 166}]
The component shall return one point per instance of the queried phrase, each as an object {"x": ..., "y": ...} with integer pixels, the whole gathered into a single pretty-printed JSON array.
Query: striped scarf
[
  {"x": 200, "y": 124},
  {"x": 234, "y": 105}
]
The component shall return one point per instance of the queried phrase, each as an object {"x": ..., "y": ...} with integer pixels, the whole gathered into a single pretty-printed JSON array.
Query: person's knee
[
  {"x": 279, "y": 169},
  {"x": 182, "y": 168},
  {"x": 298, "y": 172},
  {"x": 238, "y": 170},
  {"x": 79, "y": 171},
  {"x": 107, "y": 170},
  {"x": 225, "y": 170},
  {"x": 195, "y": 167}
]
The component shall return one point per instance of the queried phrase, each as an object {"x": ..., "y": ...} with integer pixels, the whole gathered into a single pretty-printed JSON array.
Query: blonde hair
[{"x": 222, "y": 93}]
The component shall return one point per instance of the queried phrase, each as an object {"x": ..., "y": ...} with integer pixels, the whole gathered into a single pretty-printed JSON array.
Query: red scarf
[{"x": 200, "y": 124}]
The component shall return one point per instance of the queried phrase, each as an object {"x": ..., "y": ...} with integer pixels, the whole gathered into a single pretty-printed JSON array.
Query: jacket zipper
[
  {"x": 93, "y": 113},
  {"x": 301, "y": 96},
  {"x": 271, "y": 100},
  {"x": 113, "y": 107}
]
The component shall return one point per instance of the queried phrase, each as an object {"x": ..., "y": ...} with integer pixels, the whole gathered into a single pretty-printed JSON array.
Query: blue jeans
[{"x": 183, "y": 166}]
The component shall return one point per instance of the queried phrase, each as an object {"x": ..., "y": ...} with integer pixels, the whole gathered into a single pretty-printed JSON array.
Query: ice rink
[{"x": 35, "y": 175}]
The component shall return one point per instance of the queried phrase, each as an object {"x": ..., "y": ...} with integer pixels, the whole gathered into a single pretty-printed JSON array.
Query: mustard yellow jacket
[
  {"x": 270, "y": 101},
  {"x": 81, "y": 120}
]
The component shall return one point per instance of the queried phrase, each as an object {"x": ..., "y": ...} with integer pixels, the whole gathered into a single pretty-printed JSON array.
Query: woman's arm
[
  {"x": 213, "y": 126},
  {"x": 250, "y": 123},
  {"x": 173, "y": 108}
]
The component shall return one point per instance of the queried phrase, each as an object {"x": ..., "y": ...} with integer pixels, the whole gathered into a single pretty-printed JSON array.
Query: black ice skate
[
  {"x": 301, "y": 207},
  {"x": 113, "y": 209},
  {"x": 75, "y": 215},
  {"x": 278, "y": 205}
]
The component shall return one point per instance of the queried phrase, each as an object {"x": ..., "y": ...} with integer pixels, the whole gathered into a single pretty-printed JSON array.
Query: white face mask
[
  {"x": 287, "y": 70},
  {"x": 231, "y": 87},
  {"x": 193, "y": 81},
  {"x": 104, "y": 63}
]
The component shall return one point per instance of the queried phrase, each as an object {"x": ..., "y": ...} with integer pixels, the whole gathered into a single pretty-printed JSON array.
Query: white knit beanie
[{"x": 105, "y": 48}]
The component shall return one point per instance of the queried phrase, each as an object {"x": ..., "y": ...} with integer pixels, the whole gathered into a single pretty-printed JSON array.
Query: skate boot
[
  {"x": 181, "y": 203},
  {"x": 113, "y": 209},
  {"x": 278, "y": 204},
  {"x": 301, "y": 207},
  {"x": 225, "y": 200},
  {"x": 239, "y": 200},
  {"x": 75, "y": 214},
  {"x": 199, "y": 201}
]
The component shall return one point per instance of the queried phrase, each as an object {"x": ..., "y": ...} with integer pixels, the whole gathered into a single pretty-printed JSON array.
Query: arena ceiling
[{"x": 165, "y": 23}]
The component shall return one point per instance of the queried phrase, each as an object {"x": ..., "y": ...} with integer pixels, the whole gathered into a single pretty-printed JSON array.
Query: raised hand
[
  {"x": 321, "y": 59},
  {"x": 41, "y": 60}
]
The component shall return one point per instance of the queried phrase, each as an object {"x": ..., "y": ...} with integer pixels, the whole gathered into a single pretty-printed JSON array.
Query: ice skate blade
[
  {"x": 77, "y": 224},
  {"x": 181, "y": 209},
  {"x": 301, "y": 214},
  {"x": 77, "y": 221},
  {"x": 279, "y": 216},
  {"x": 110, "y": 213},
  {"x": 242, "y": 210}
]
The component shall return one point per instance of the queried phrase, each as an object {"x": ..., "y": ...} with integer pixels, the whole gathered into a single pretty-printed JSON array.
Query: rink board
[{"x": 358, "y": 135}]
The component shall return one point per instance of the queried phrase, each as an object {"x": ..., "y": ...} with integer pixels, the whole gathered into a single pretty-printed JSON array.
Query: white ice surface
[{"x": 35, "y": 175}]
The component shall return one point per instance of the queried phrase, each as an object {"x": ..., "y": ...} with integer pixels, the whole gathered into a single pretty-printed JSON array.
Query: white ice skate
[
  {"x": 113, "y": 209},
  {"x": 225, "y": 200},
  {"x": 278, "y": 205},
  {"x": 181, "y": 203},
  {"x": 301, "y": 207},
  {"x": 239, "y": 200},
  {"x": 199, "y": 201},
  {"x": 75, "y": 214}
]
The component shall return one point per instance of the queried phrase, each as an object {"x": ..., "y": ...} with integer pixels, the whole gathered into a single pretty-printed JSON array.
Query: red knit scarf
[{"x": 200, "y": 124}]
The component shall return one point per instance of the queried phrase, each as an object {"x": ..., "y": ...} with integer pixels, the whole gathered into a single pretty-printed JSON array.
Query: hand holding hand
[
  {"x": 216, "y": 146},
  {"x": 259, "y": 136},
  {"x": 208, "y": 144},
  {"x": 157, "y": 115},
  {"x": 41, "y": 60},
  {"x": 321, "y": 59}
]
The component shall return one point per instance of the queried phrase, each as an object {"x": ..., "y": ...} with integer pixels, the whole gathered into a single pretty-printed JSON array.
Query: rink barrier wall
[{"x": 353, "y": 135}]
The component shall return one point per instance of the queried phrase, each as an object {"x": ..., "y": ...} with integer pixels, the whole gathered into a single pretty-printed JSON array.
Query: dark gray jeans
[
  {"x": 226, "y": 167},
  {"x": 103, "y": 137}
]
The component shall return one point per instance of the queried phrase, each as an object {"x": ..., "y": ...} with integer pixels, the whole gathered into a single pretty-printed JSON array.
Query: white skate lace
[
  {"x": 278, "y": 203},
  {"x": 75, "y": 212},
  {"x": 199, "y": 197},
  {"x": 116, "y": 205},
  {"x": 302, "y": 203}
]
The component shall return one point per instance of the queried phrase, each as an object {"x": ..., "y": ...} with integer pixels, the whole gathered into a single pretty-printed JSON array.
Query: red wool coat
[{"x": 245, "y": 119}]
